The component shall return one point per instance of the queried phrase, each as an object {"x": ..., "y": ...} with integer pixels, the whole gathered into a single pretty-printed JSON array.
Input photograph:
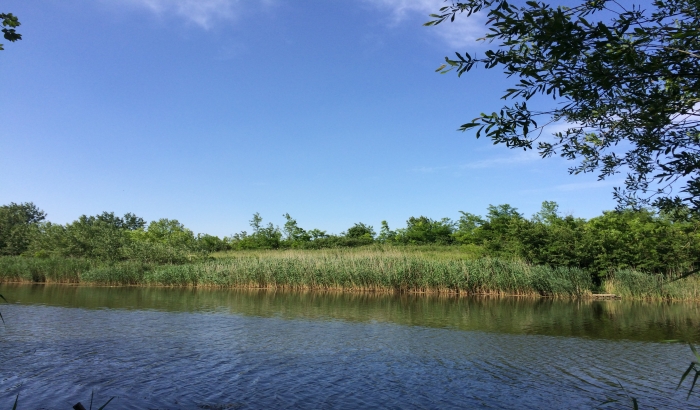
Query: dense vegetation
[
  {"x": 637, "y": 239},
  {"x": 633, "y": 252},
  {"x": 642, "y": 239}
]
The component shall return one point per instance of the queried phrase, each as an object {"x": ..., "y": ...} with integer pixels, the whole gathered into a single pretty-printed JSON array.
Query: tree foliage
[
  {"x": 639, "y": 239},
  {"x": 360, "y": 230},
  {"x": 293, "y": 232},
  {"x": 263, "y": 236},
  {"x": 10, "y": 23},
  {"x": 111, "y": 238},
  {"x": 18, "y": 226},
  {"x": 626, "y": 80},
  {"x": 423, "y": 230}
]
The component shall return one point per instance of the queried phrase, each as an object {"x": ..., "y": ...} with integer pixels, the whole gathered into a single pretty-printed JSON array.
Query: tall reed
[
  {"x": 384, "y": 269},
  {"x": 629, "y": 283},
  {"x": 57, "y": 270},
  {"x": 375, "y": 271}
]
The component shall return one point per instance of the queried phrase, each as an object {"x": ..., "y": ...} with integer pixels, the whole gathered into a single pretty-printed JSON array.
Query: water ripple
[{"x": 215, "y": 359}]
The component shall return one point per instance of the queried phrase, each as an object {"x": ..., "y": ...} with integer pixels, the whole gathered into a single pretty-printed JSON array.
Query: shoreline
[
  {"x": 356, "y": 291},
  {"x": 358, "y": 272}
]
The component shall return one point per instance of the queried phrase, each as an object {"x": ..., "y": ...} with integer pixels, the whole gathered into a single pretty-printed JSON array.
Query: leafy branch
[
  {"x": 9, "y": 23},
  {"x": 628, "y": 89},
  {"x": 694, "y": 367}
]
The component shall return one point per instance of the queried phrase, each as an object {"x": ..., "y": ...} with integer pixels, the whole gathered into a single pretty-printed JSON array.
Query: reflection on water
[
  {"x": 602, "y": 319},
  {"x": 200, "y": 348}
]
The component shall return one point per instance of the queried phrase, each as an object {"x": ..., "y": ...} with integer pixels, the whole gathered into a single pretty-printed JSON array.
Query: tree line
[{"x": 641, "y": 239}]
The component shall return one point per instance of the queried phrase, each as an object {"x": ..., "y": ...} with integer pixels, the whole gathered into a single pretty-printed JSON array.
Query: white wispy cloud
[
  {"x": 203, "y": 13},
  {"x": 514, "y": 159},
  {"x": 577, "y": 186},
  {"x": 459, "y": 33},
  {"x": 558, "y": 127}
]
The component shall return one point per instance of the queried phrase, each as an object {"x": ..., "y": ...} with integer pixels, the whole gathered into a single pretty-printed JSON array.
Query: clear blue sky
[{"x": 207, "y": 111}]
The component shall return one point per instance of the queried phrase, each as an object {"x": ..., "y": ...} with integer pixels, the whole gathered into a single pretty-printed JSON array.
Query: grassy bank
[{"x": 370, "y": 269}]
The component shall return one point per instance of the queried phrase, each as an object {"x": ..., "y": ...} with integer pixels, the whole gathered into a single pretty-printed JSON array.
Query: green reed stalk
[
  {"x": 385, "y": 269},
  {"x": 375, "y": 271}
]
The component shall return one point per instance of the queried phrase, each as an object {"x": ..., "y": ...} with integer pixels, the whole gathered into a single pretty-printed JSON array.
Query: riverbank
[{"x": 376, "y": 270}]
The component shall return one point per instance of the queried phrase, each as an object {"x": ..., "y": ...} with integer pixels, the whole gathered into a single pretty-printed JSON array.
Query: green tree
[
  {"x": 423, "y": 230},
  {"x": 211, "y": 243},
  {"x": 170, "y": 232},
  {"x": 626, "y": 80},
  {"x": 256, "y": 222},
  {"x": 549, "y": 239},
  {"x": 386, "y": 234},
  {"x": 9, "y": 24},
  {"x": 360, "y": 230},
  {"x": 18, "y": 227},
  {"x": 112, "y": 238},
  {"x": 549, "y": 214},
  {"x": 129, "y": 222},
  {"x": 641, "y": 240},
  {"x": 263, "y": 237},
  {"x": 91, "y": 237},
  {"x": 498, "y": 233},
  {"x": 317, "y": 234},
  {"x": 466, "y": 227},
  {"x": 294, "y": 233}
]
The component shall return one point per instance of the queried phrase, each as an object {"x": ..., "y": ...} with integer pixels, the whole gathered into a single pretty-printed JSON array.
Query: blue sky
[{"x": 207, "y": 111}]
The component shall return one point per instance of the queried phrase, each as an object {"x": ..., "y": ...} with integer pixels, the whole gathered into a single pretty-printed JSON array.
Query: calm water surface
[{"x": 220, "y": 349}]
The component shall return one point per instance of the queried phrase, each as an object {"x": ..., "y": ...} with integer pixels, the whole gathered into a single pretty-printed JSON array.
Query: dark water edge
[{"x": 205, "y": 348}]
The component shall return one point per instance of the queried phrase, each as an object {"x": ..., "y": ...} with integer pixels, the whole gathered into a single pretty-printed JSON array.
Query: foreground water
[{"x": 219, "y": 349}]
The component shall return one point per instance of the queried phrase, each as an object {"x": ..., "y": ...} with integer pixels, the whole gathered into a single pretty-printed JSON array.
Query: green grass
[
  {"x": 373, "y": 268},
  {"x": 433, "y": 252},
  {"x": 632, "y": 284},
  {"x": 54, "y": 270}
]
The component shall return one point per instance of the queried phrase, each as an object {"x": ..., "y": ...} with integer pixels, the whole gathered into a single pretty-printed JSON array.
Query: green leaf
[
  {"x": 695, "y": 352},
  {"x": 685, "y": 374}
]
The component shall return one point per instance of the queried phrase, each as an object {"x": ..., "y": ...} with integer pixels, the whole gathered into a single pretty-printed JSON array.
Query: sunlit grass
[
  {"x": 371, "y": 269},
  {"x": 377, "y": 268},
  {"x": 424, "y": 251},
  {"x": 633, "y": 284},
  {"x": 47, "y": 270}
]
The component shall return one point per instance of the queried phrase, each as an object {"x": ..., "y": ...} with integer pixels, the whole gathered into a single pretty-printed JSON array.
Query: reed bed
[
  {"x": 370, "y": 269},
  {"x": 632, "y": 284},
  {"x": 375, "y": 271},
  {"x": 49, "y": 270}
]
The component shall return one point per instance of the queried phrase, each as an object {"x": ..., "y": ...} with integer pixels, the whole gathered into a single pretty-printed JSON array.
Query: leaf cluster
[
  {"x": 694, "y": 367},
  {"x": 293, "y": 236},
  {"x": 9, "y": 24},
  {"x": 638, "y": 239},
  {"x": 626, "y": 80},
  {"x": 18, "y": 227},
  {"x": 105, "y": 237}
]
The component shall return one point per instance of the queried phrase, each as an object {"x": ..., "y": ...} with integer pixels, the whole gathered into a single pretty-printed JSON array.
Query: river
[{"x": 163, "y": 348}]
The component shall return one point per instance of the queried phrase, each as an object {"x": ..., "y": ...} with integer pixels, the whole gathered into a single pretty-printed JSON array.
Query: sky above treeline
[{"x": 207, "y": 111}]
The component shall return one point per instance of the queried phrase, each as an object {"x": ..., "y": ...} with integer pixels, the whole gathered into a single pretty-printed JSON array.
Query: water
[{"x": 220, "y": 349}]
